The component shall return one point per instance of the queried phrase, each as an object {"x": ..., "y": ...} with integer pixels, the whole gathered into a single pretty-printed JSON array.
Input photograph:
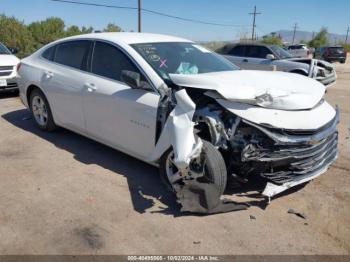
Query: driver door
[{"x": 115, "y": 113}]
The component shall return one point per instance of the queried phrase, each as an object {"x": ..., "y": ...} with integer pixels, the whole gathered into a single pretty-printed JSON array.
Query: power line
[
  {"x": 148, "y": 11},
  {"x": 254, "y": 15}
]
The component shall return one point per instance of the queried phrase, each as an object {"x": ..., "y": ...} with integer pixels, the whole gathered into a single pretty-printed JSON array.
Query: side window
[
  {"x": 109, "y": 61},
  {"x": 238, "y": 50},
  {"x": 73, "y": 54},
  {"x": 257, "y": 51},
  {"x": 49, "y": 53}
]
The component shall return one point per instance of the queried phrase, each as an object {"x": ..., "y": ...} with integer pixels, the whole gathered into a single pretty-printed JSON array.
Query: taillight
[{"x": 18, "y": 66}]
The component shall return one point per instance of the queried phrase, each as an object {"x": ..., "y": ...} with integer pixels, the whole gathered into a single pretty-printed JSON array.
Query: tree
[
  {"x": 47, "y": 31},
  {"x": 14, "y": 33},
  {"x": 28, "y": 38},
  {"x": 87, "y": 30},
  {"x": 73, "y": 30},
  {"x": 272, "y": 40},
  {"x": 320, "y": 38},
  {"x": 111, "y": 27}
]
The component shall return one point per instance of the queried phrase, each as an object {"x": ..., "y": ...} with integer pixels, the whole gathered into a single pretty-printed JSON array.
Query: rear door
[
  {"x": 63, "y": 81},
  {"x": 116, "y": 114}
]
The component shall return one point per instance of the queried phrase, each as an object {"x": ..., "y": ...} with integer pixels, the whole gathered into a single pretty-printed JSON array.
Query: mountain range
[{"x": 287, "y": 36}]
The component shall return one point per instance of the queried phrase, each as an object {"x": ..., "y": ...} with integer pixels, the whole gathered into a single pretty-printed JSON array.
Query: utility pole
[
  {"x": 295, "y": 29},
  {"x": 139, "y": 16},
  {"x": 347, "y": 34},
  {"x": 254, "y": 15}
]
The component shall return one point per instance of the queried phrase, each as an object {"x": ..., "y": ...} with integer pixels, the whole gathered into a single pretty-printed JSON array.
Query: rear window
[
  {"x": 49, "y": 53},
  {"x": 73, "y": 54},
  {"x": 336, "y": 50},
  {"x": 294, "y": 47}
]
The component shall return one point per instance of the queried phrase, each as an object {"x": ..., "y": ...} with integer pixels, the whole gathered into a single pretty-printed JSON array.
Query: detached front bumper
[
  {"x": 296, "y": 157},
  {"x": 324, "y": 72},
  {"x": 328, "y": 80}
]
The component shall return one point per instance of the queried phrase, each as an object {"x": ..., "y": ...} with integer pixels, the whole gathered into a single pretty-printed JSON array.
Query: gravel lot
[{"x": 61, "y": 193}]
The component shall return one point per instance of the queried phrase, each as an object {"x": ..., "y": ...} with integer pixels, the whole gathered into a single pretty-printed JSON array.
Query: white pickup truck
[
  {"x": 8, "y": 72},
  {"x": 299, "y": 50}
]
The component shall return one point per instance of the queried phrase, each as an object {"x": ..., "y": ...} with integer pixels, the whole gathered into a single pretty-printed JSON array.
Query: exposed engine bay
[{"x": 283, "y": 158}]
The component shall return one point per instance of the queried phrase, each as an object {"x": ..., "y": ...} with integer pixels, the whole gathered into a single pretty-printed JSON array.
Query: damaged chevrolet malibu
[{"x": 174, "y": 104}]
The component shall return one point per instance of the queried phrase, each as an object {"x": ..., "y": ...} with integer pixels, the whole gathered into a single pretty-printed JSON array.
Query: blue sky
[{"x": 276, "y": 14}]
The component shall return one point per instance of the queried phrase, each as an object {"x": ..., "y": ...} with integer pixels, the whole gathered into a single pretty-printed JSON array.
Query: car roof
[
  {"x": 257, "y": 44},
  {"x": 129, "y": 37}
]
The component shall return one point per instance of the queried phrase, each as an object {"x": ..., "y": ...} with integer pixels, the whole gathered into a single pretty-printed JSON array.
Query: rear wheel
[
  {"x": 213, "y": 169},
  {"x": 41, "y": 111}
]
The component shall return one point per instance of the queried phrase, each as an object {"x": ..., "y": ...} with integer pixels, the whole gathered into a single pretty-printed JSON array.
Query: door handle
[
  {"x": 245, "y": 60},
  {"x": 48, "y": 74},
  {"x": 91, "y": 87}
]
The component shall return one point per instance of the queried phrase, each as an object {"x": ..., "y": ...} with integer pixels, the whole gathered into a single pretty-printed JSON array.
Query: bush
[{"x": 28, "y": 38}]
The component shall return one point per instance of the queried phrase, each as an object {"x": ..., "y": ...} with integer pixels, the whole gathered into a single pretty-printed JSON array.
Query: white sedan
[{"x": 175, "y": 104}]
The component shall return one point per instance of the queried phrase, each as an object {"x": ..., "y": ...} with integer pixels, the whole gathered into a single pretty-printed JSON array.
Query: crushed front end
[
  {"x": 293, "y": 157},
  {"x": 283, "y": 158}
]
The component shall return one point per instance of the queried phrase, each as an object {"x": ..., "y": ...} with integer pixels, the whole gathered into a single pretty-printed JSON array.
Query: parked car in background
[
  {"x": 331, "y": 54},
  {"x": 299, "y": 50},
  {"x": 272, "y": 57},
  {"x": 8, "y": 71},
  {"x": 175, "y": 104}
]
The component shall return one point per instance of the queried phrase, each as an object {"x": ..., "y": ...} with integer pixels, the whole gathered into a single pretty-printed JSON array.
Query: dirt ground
[{"x": 61, "y": 193}]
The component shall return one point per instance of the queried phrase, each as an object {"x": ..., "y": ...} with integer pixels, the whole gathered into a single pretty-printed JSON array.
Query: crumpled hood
[
  {"x": 8, "y": 60},
  {"x": 277, "y": 90}
]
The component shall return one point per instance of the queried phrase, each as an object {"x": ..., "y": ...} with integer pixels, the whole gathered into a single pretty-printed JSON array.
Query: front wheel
[{"x": 214, "y": 169}]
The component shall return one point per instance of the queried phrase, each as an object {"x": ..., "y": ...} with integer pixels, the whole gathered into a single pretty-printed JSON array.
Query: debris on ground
[
  {"x": 252, "y": 217},
  {"x": 204, "y": 198},
  {"x": 302, "y": 215},
  {"x": 196, "y": 242}
]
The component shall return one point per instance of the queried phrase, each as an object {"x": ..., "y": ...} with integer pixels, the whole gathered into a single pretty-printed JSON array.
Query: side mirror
[
  {"x": 270, "y": 57},
  {"x": 131, "y": 78},
  {"x": 13, "y": 50}
]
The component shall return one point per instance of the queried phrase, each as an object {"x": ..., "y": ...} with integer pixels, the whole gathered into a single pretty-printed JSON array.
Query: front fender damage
[{"x": 178, "y": 133}]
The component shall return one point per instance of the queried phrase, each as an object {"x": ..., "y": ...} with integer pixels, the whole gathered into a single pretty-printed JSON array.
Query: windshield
[
  {"x": 4, "y": 50},
  {"x": 182, "y": 58},
  {"x": 280, "y": 52}
]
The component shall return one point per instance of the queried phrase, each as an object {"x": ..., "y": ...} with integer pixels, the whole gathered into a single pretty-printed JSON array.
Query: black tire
[
  {"x": 342, "y": 61},
  {"x": 49, "y": 124},
  {"x": 215, "y": 168}
]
